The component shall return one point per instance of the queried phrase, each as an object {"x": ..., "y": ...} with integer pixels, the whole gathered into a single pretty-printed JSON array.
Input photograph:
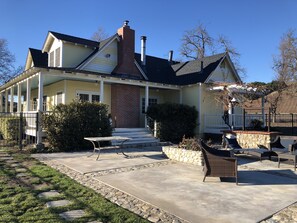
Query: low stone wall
[
  {"x": 251, "y": 139},
  {"x": 183, "y": 155}
]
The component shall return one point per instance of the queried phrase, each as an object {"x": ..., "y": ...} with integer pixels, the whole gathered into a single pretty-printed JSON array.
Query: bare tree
[
  {"x": 285, "y": 64},
  {"x": 99, "y": 35},
  {"x": 196, "y": 43},
  {"x": 7, "y": 59},
  {"x": 225, "y": 45}
]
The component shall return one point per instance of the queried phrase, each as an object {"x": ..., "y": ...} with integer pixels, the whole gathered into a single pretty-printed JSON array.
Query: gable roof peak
[{"x": 74, "y": 39}]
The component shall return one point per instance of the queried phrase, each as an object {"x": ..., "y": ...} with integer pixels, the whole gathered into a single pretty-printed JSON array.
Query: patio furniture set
[
  {"x": 217, "y": 162},
  {"x": 222, "y": 163}
]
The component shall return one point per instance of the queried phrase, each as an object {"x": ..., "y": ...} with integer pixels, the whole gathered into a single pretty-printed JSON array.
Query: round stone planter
[{"x": 183, "y": 155}]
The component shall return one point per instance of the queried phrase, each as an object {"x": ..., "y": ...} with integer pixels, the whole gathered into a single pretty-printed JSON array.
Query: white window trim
[
  {"x": 90, "y": 93},
  {"x": 54, "y": 53},
  {"x": 63, "y": 97}
]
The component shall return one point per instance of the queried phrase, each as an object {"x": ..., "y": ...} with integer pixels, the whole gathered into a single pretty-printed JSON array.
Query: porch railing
[
  {"x": 18, "y": 129},
  {"x": 235, "y": 120}
]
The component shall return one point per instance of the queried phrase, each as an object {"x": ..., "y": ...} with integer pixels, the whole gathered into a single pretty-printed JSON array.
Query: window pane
[
  {"x": 151, "y": 102},
  {"x": 57, "y": 60},
  {"x": 59, "y": 98},
  {"x": 95, "y": 98},
  {"x": 51, "y": 62},
  {"x": 84, "y": 97}
]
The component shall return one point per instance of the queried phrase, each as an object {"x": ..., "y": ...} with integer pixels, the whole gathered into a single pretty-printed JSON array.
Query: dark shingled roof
[
  {"x": 39, "y": 59},
  {"x": 194, "y": 66},
  {"x": 75, "y": 39},
  {"x": 184, "y": 73},
  {"x": 157, "y": 70}
]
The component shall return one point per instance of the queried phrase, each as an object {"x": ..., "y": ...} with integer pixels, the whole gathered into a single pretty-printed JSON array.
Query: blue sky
[{"x": 254, "y": 27}]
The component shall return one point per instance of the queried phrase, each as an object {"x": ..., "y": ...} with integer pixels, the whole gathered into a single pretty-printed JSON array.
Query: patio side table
[{"x": 289, "y": 156}]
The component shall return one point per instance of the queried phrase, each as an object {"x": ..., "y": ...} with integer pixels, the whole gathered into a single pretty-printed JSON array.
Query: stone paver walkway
[
  {"x": 71, "y": 215},
  {"x": 22, "y": 173}
]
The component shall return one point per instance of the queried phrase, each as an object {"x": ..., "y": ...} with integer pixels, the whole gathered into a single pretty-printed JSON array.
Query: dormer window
[
  {"x": 58, "y": 57},
  {"x": 51, "y": 59},
  {"x": 55, "y": 58}
]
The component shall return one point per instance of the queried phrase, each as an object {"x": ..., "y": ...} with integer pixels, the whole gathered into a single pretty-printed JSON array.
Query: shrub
[
  {"x": 174, "y": 121},
  {"x": 9, "y": 127},
  {"x": 189, "y": 144},
  {"x": 67, "y": 125},
  {"x": 256, "y": 124}
]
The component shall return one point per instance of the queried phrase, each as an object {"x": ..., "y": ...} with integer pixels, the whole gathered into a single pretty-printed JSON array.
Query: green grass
[{"x": 19, "y": 201}]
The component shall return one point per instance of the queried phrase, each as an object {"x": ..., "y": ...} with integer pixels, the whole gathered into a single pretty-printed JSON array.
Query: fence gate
[{"x": 18, "y": 129}]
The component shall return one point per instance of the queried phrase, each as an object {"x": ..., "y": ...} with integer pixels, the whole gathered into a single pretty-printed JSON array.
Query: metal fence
[
  {"x": 18, "y": 129},
  {"x": 285, "y": 123}
]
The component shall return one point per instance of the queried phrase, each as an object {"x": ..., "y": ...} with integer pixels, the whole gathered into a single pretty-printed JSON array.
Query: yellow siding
[
  {"x": 191, "y": 95},
  {"x": 105, "y": 61},
  {"x": 51, "y": 92},
  {"x": 73, "y": 55},
  {"x": 162, "y": 96},
  {"x": 71, "y": 88}
]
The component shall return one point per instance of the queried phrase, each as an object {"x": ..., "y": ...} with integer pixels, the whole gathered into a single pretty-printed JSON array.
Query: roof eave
[
  {"x": 29, "y": 60},
  {"x": 48, "y": 41}
]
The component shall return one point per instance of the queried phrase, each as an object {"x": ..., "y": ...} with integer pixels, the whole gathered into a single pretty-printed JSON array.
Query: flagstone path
[{"x": 23, "y": 174}]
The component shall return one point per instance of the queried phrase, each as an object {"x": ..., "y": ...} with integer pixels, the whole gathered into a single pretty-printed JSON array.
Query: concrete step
[
  {"x": 134, "y": 134},
  {"x": 130, "y": 130},
  {"x": 140, "y": 137}
]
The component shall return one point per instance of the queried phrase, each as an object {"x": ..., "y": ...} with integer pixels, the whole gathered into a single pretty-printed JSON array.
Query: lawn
[{"x": 23, "y": 178}]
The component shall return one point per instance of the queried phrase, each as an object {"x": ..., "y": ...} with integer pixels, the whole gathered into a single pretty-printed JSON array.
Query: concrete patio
[{"x": 178, "y": 189}]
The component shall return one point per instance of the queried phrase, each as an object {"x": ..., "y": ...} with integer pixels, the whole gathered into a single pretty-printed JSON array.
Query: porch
[
  {"x": 39, "y": 89},
  {"x": 215, "y": 124}
]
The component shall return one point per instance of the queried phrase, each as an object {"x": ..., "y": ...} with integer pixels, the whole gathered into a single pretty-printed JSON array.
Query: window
[
  {"x": 95, "y": 98},
  {"x": 152, "y": 101},
  {"x": 44, "y": 103},
  {"x": 88, "y": 96},
  {"x": 55, "y": 58},
  {"x": 83, "y": 97},
  {"x": 58, "y": 57},
  {"x": 51, "y": 59},
  {"x": 59, "y": 98}
]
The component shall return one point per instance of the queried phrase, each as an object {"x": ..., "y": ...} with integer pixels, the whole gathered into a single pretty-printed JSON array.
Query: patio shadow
[{"x": 264, "y": 177}]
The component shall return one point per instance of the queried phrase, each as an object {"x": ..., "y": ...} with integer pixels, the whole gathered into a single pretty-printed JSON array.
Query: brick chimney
[{"x": 126, "y": 50}]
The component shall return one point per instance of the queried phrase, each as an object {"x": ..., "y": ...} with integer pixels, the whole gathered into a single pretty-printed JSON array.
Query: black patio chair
[
  {"x": 218, "y": 163},
  {"x": 233, "y": 144}
]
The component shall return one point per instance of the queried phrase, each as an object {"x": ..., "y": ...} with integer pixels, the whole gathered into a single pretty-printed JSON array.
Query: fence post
[
  {"x": 21, "y": 131},
  {"x": 243, "y": 119},
  {"x": 292, "y": 122},
  {"x": 269, "y": 119},
  {"x": 39, "y": 144},
  {"x": 155, "y": 128}
]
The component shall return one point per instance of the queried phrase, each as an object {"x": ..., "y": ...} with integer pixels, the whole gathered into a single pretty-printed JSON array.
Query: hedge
[
  {"x": 67, "y": 125},
  {"x": 175, "y": 121},
  {"x": 9, "y": 127}
]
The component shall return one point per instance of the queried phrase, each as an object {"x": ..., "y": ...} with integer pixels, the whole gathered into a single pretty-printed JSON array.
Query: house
[{"x": 69, "y": 67}]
